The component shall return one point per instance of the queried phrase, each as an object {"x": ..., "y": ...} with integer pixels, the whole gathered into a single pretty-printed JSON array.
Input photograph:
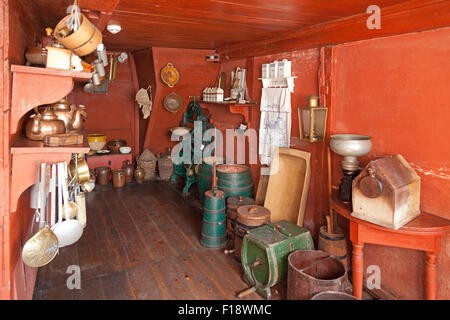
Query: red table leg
[
  {"x": 358, "y": 269},
  {"x": 431, "y": 276}
]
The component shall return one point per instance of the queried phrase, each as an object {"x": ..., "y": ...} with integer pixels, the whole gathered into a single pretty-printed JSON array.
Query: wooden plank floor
[{"x": 142, "y": 242}]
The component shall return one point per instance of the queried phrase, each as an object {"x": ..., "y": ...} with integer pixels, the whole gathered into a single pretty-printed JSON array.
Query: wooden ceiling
[{"x": 202, "y": 24}]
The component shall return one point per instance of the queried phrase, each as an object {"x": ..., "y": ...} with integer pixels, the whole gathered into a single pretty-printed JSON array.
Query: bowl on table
[
  {"x": 96, "y": 141},
  {"x": 116, "y": 144},
  {"x": 125, "y": 150}
]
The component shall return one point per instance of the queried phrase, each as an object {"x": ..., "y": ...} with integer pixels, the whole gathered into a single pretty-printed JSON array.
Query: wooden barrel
[
  {"x": 313, "y": 271},
  {"x": 334, "y": 244},
  {"x": 235, "y": 180},
  {"x": 205, "y": 174},
  {"x": 83, "y": 41},
  {"x": 213, "y": 229},
  {"x": 233, "y": 203},
  {"x": 248, "y": 217}
]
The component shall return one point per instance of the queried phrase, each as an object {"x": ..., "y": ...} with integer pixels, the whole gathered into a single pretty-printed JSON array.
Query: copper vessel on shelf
[
  {"x": 129, "y": 170},
  {"x": 114, "y": 145},
  {"x": 42, "y": 124},
  {"x": 72, "y": 115},
  {"x": 119, "y": 178}
]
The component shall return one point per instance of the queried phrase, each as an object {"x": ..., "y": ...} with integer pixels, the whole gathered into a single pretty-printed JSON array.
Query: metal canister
[
  {"x": 314, "y": 271},
  {"x": 233, "y": 203},
  {"x": 248, "y": 217},
  {"x": 214, "y": 222}
]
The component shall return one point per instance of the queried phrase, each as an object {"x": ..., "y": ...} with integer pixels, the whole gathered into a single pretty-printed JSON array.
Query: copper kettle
[
  {"x": 42, "y": 124},
  {"x": 72, "y": 116}
]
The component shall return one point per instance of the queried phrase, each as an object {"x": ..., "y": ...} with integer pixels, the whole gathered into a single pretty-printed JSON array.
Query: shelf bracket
[{"x": 24, "y": 98}]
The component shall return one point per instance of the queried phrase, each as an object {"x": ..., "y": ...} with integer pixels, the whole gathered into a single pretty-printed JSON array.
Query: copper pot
[
  {"x": 119, "y": 178},
  {"x": 103, "y": 175},
  {"x": 114, "y": 145},
  {"x": 129, "y": 170},
  {"x": 139, "y": 175},
  {"x": 43, "y": 124}
]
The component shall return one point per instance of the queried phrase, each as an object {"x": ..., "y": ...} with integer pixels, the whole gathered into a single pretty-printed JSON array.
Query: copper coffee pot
[
  {"x": 72, "y": 115},
  {"x": 43, "y": 124}
]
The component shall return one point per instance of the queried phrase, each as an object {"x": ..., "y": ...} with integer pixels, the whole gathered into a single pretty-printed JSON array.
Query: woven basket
[
  {"x": 165, "y": 167},
  {"x": 147, "y": 161}
]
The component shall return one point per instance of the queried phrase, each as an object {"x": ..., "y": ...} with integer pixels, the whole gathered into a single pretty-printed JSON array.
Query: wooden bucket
[
  {"x": 83, "y": 41},
  {"x": 235, "y": 180},
  {"x": 334, "y": 244}
]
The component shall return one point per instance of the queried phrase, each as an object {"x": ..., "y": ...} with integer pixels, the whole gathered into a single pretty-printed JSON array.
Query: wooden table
[{"x": 423, "y": 233}]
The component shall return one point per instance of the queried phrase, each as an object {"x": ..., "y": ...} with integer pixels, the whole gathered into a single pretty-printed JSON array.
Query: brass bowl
[{"x": 80, "y": 169}]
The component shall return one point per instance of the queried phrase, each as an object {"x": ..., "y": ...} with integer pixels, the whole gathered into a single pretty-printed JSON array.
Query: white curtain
[{"x": 275, "y": 126}]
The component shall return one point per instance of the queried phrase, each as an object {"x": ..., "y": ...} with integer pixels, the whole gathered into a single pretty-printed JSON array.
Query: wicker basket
[
  {"x": 147, "y": 161},
  {"x": 165, "y": 167}
]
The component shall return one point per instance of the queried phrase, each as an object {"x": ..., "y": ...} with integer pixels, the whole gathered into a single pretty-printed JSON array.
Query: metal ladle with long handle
[
  {"x": 70, "y": 230},
  {"x": 41, "y": 248}
]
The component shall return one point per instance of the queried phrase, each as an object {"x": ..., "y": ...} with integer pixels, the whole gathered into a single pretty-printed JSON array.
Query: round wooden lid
[
  {"x": 253, "y": 215},
  {"x": 237, "y": 201},
  {"x": 232, "y": 168},
  {"x": 210, "y": 194}
]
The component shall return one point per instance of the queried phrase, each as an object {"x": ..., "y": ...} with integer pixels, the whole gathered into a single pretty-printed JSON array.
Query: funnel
[{"x": 350, "y": 146}]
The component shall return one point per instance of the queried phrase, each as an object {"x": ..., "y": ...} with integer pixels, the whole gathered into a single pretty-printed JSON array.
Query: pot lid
[
  {"x": 238, "y": 201},
  {"x": 170, "y": 75},
  {"x": 173, "y": 102},
  {"x": 253, "y": 215}
]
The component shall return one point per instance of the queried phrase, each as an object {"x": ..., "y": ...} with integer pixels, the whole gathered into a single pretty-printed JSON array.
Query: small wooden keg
[
  {"x": 233, "y": 203},
  {"x": 333, "y": 243},
  {"x": 248, "y": 217}
]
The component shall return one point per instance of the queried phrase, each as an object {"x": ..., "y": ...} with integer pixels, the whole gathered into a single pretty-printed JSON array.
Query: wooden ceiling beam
[{"x": 410, "y": 16}]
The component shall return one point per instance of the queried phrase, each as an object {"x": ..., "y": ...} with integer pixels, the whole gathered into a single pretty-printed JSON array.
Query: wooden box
[
  {"x": 59, "y": 58},
  {"x": 387, "y": 193}
]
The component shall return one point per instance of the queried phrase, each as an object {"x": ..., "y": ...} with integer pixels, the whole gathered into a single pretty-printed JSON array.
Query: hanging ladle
[
  {"x": 70, "y": 230},
  {"x": 41, "y": 248}
]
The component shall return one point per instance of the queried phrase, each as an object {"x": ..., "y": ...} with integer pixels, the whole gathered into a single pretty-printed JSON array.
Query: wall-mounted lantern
[{"x": 312, "y": 120}]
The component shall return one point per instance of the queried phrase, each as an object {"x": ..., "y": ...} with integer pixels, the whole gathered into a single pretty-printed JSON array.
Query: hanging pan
[
  {"x": 170, "y": 75},
  {"x": 173, "y": 102}
]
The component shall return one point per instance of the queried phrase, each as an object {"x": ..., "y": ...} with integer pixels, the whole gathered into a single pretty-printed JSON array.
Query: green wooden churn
[
  {"x": 214, "y": 234},
  {"x": 205, "y": 174},
  {"x": 214, "y": 220},
  {"x": 265, "y": 253}
]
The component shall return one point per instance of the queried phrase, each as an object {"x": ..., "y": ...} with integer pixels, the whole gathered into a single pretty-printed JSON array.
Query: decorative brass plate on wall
[{"x": 170, "y": 75}]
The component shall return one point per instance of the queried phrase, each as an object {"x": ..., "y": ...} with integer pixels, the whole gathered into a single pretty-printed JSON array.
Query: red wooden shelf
[
  {"x": 238, "y": 108},
  {"x": 34, "y": 86},
  {"x": 24, "y": 155}
]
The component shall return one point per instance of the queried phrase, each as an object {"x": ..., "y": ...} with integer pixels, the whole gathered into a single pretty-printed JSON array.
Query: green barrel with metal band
[
  {"x": 214, "y": 221},
  {"x": 235, "y": 180}
]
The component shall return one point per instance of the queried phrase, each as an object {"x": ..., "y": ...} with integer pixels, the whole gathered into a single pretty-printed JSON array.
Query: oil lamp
[{"x": 312, "y": 120}]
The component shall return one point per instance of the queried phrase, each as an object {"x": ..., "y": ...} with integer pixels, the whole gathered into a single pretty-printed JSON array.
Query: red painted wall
[
  {"x": 22, "y": 29},
  {"x": 396, "y": 91},
  {"x": 112, "y": 113},
  {"x": 195, "y": 75}
]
